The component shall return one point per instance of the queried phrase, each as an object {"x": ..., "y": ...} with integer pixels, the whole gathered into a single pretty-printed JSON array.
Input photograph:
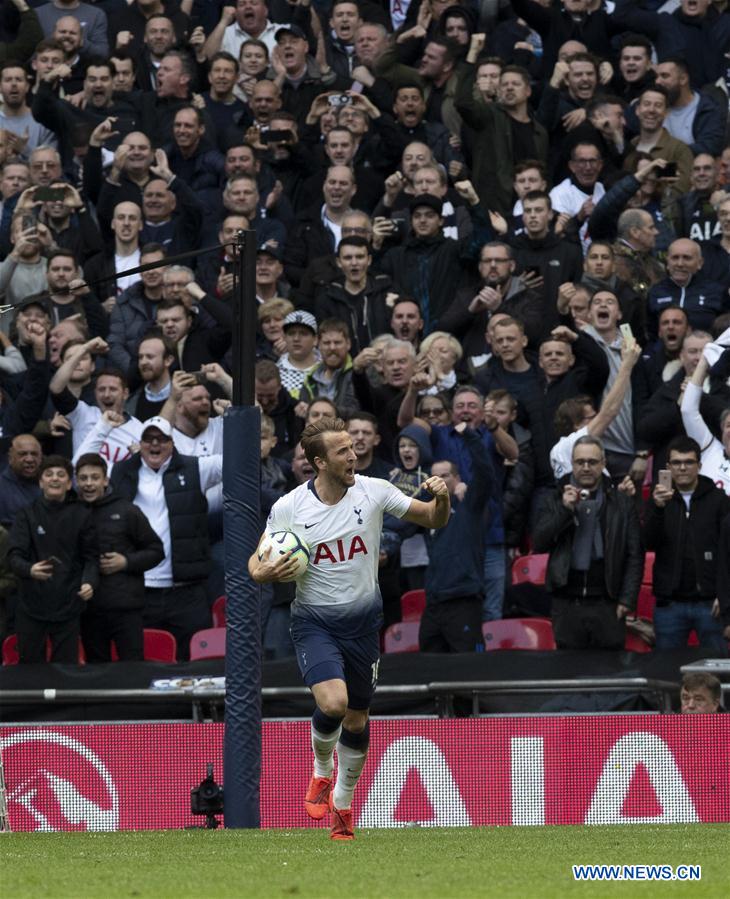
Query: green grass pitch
[{"x": 502, "y": 862}]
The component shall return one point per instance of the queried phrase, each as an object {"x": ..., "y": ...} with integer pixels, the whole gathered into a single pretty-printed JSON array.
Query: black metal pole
[{"x": 244, "y": 320}]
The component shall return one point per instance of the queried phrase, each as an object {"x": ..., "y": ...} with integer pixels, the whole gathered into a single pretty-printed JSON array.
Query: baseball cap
[
  {"x": 300, "y": 317},
  {"x": 162, "y": 424},
  {"x": 433, "y": 202},
  {"x": 294, "y": 30},
  {"x": 272, "y": 250}
]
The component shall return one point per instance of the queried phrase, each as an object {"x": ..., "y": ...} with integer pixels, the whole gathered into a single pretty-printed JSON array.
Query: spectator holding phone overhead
[
  {"x": 52, "y": 551},
  {"x": 23, "y": 271}
]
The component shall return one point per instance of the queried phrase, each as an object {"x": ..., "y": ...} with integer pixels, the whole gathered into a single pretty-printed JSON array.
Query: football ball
[{"x": 281, "y": 542}]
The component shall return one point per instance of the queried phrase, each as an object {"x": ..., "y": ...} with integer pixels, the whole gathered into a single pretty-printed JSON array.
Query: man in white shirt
[
  {"x": 91, "y": 433},
  {"x": 170, "y": 489},
  {"x": 249, "y": 20},
  {"x": 578, "y": 194}
]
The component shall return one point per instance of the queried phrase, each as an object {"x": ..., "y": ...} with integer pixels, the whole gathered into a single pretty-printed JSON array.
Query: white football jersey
[
  {"x": 715, "y": 464},
  {"x": 344, "y": 539}
]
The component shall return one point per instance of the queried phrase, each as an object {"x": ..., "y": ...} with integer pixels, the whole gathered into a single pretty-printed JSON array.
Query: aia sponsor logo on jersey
[{"x": 339, "y": 551}]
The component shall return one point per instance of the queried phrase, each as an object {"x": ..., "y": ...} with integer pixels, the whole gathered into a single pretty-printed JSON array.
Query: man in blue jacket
[{"x": 455, "y": 574}]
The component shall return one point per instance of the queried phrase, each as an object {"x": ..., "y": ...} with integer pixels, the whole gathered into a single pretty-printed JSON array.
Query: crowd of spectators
[{"x": 492, "y": 236}]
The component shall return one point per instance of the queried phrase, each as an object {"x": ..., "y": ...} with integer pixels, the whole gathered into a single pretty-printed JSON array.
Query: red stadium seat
[
  {"x": 159, "y": 646},
  {"x": 634, "y": 643},
  {"x": 219, "y": 612},
  {"x": 11, "y": 657},
  {"x": 412, "y": 605},
  {"x": 530, "y": 569},
  {"x": 647, "y": 577},
  {"x": 208, "y": 644},
  {"x": 518, "y": 633},
  {"x": 402, "y": 637},
  {"x": 645, "y": 603}
]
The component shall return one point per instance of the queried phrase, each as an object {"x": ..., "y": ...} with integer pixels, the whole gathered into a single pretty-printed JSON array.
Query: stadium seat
[
  {"x": 208, "y": 644},
  {"x": 219, "y": 612},
  {"x": 518, "y": 633},
  {"x": 530, "y": 569},
  {"x": 645, "y": 603},
  {"x": 634, "y": 643},
  {"x": 647, "y": 577},
  {"x": 402, "y": 637},
  {"x": 412, "y": 605},
  {"x": 159, "y": 646},
  {"x": 11, "y": 657}
]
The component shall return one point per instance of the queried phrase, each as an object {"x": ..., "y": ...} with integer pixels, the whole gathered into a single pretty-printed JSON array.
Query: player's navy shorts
[{"x": 324, "y": 653}]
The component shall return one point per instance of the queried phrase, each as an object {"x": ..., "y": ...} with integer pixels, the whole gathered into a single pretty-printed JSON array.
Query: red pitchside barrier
[{"x": 541, "y": 770}]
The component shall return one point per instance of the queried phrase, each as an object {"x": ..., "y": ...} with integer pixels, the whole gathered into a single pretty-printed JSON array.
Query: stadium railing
[{"x": 443, "y": 693}]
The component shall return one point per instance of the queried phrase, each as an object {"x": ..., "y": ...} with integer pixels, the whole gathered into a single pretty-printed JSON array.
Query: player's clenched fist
[{"x": 436, "y": 486}]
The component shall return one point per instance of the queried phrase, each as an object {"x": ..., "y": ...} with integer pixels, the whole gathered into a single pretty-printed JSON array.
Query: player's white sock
[
  {"x": 352, "y": 751},
  {"x": 325, "y": 734}
]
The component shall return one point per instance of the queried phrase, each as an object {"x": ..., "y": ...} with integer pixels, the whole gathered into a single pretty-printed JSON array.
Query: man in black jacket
[
  {"x": 682, "y": 525},
  {"x": 498, "y": 290},
  {"x": 127, "y": 548},
  {"x": 358, "y": 297},
  {"x": 429, "y": 266},
  {"x": 593, "y": 535},
  {"x": 52, "y": 551},
  {"x": 554, "y": 258},
  {"x": 170, "y": 489}
]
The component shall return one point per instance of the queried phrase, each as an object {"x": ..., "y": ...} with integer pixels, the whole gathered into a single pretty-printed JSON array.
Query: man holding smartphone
[
  {"x": 656, "y": 142},
  {"x": 52, "y": 551},
  {"x": 682, "y": 525}
]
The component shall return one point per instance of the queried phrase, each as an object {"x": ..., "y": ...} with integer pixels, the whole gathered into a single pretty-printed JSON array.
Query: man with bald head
[
  {"x": 126, "y": 226},
  {"x": 19, "y": 480},
  {"x": 703, "y": 300},
  {"x": 90, "y": 18},
  {"x": 265, "y": 101}
]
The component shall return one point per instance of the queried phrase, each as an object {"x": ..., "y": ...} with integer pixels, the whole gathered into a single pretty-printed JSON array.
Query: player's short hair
[
  {"x": 313, "y": 435},
  {"x": 91, "y": 459}
]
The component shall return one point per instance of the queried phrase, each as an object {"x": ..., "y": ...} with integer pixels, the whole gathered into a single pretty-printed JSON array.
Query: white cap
[{"x": 162, "y": 424}]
